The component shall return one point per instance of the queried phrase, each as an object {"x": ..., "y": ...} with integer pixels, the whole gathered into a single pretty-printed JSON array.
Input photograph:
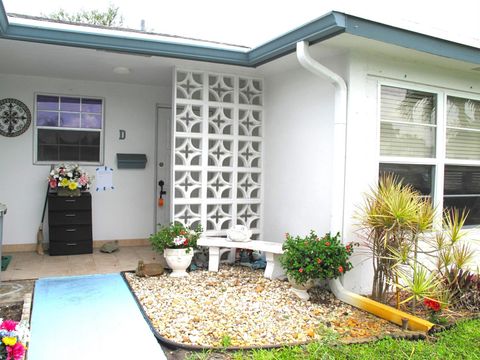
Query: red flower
[
  {"x": 185, "y": 242},
  {"x": 300, "y": 270},
  {"x": 327, "y": 243},
  {"x": 319, "y": 261},
  {"x": 432, "y": 304},
  {"x": 182, "y": 232},
  {"x": 53, "y": 183},
  {"x": 8, "y": 325},
  {"x": 340, "y": 268}
]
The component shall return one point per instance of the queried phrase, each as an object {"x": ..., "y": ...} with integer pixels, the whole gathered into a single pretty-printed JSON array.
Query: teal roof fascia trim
[
  {"x": 325, "y": 27},
  {"x": 122, "y": 44},
  {"x": 317, "y": 30},
  {"x": 3, "y": 19},
  {"x": 411, "y": 40}
]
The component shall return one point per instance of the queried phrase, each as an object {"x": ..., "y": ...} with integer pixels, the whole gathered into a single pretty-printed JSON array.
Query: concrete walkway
[{"x": 89, "y": 317}]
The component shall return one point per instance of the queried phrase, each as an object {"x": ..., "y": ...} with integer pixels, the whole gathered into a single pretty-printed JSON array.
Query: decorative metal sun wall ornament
[{"x": 15, "y": 118}]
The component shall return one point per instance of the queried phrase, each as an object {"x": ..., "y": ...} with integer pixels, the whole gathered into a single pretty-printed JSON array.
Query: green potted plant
[
  {"x": 176, "y": 242},
  {"x": 311, "y": 257}
]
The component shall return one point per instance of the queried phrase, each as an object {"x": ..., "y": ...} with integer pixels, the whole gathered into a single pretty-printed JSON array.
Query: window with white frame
[
  {"x": 68, "y": 129},
  {"x": 431, "y": 140}
]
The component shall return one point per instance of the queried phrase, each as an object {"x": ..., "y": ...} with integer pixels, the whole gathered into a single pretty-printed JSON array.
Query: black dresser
[{"x": 70, "y": 224}]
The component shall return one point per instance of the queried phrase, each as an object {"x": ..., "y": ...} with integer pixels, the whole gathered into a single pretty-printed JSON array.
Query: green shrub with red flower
[
  {"x": 175, "y": 236},
  {"x": 13, "y": 337},
  {"x": 314, "y": 257},
  {"x": 434, "y": 308}
]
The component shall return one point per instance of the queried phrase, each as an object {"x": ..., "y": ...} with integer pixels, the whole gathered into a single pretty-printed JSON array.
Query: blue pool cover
[{"x": 89, "y": 317}]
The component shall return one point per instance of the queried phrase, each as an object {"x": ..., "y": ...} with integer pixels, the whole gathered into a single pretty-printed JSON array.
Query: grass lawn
[{"x": 461, "y": 342}]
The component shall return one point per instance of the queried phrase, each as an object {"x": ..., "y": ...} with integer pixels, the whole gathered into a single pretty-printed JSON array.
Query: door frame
[{"x": 162, "y": 106}]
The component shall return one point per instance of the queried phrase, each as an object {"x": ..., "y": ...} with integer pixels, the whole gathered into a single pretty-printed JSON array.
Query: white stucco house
[{"x": 285, "y": 137}]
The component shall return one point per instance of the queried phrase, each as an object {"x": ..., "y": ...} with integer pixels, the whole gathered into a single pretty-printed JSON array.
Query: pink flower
[
  {"x": 340, "y": 268},
  {"x": 15, "y": 352},
  {"x": 179, "y": 240},
  {"x": 53, "y": 183},
  {"x": 300, "y": 270},
  {"x": 8, "y": 325},
  {"x": 83, "y": 180},
  {"x": 327, "y": 243}
]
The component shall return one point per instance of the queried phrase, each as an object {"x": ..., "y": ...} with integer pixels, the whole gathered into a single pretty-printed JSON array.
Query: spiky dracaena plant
[
  {"x": 421, "y": 283},
  {"x": 391, "y": 219},
  {"x": 454, "y": 255}
]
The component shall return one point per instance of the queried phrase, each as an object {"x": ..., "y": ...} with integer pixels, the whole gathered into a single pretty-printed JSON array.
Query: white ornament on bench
[{"x": 239, "y": 233}]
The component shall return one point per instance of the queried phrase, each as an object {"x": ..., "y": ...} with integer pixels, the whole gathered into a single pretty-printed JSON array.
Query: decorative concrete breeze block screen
[{"x": 217, "y": 152}]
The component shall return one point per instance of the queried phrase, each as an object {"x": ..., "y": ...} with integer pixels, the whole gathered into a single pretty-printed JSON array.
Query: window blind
[
  {"x": 463, "y": 129},
  {"x": 408, "y": 122}
]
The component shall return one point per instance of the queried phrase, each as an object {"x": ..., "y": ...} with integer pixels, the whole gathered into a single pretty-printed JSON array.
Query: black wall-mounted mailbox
[{"x": 131, "y": 161}]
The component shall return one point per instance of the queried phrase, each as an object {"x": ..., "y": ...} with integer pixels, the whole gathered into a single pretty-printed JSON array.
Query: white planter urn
[
  {"x": 178, "y": 260},
  {"x": 301, "y": 289}
]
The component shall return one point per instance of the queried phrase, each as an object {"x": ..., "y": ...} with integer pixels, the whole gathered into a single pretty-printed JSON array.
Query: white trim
[
  {"x": 159, "y": 106},
  {"x": 462, "y": 129},
  {"x": 384, "y": 80}
]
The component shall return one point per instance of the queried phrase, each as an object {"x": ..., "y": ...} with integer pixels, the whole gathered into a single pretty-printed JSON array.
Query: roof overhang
[{"x": 323, "y": 28}]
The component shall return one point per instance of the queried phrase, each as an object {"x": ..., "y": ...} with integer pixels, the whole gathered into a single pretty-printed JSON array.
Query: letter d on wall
[{"x": 122, "y": 135}]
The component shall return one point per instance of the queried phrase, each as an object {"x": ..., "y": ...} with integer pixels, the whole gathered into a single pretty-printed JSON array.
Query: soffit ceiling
[{"x": 35, "y": 59}]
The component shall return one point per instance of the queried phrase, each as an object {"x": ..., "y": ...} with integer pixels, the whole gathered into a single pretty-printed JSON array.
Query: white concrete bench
[{"x": 272, "y": 252}]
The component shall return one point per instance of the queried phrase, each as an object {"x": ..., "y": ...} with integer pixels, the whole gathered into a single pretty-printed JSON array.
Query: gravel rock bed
[{"x": 238, "y": 307}]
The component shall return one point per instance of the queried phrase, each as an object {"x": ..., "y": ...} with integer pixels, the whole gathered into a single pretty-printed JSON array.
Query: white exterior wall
[
  {"x": 367, "y": 72},
  {"x": 124, "y": 213},
  {"x": 298, "y": 154}
]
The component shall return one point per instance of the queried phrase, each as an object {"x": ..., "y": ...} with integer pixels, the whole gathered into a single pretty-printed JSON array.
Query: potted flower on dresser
[
  {"x": 69, "y": 180},
  {"x": 308, "y": 258},
  {"x": 177, "y": 243}
]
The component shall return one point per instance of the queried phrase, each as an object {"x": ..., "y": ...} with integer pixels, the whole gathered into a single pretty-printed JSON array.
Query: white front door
[{"x": 163, "y": 176}]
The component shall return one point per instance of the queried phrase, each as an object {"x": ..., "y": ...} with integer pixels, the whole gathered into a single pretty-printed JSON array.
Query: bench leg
[
  {"x": 213, "y": 258},
  {"x": 274, "y": 268},
  {"x": 231, "y": 255}
]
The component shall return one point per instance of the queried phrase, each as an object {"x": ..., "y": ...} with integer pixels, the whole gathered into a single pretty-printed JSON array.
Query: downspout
[
  {"x": 339, "y": 134},
  {"x": 337, "y": 222}
]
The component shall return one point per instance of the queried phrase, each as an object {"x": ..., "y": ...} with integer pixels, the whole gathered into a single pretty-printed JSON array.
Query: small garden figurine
[{"x": 311, "y": 257}]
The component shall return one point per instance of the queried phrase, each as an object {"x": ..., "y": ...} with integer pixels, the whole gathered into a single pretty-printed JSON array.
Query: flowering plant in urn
[
  {"x": 69, "y": 176},
  {"x": 175, "y": 236}
]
